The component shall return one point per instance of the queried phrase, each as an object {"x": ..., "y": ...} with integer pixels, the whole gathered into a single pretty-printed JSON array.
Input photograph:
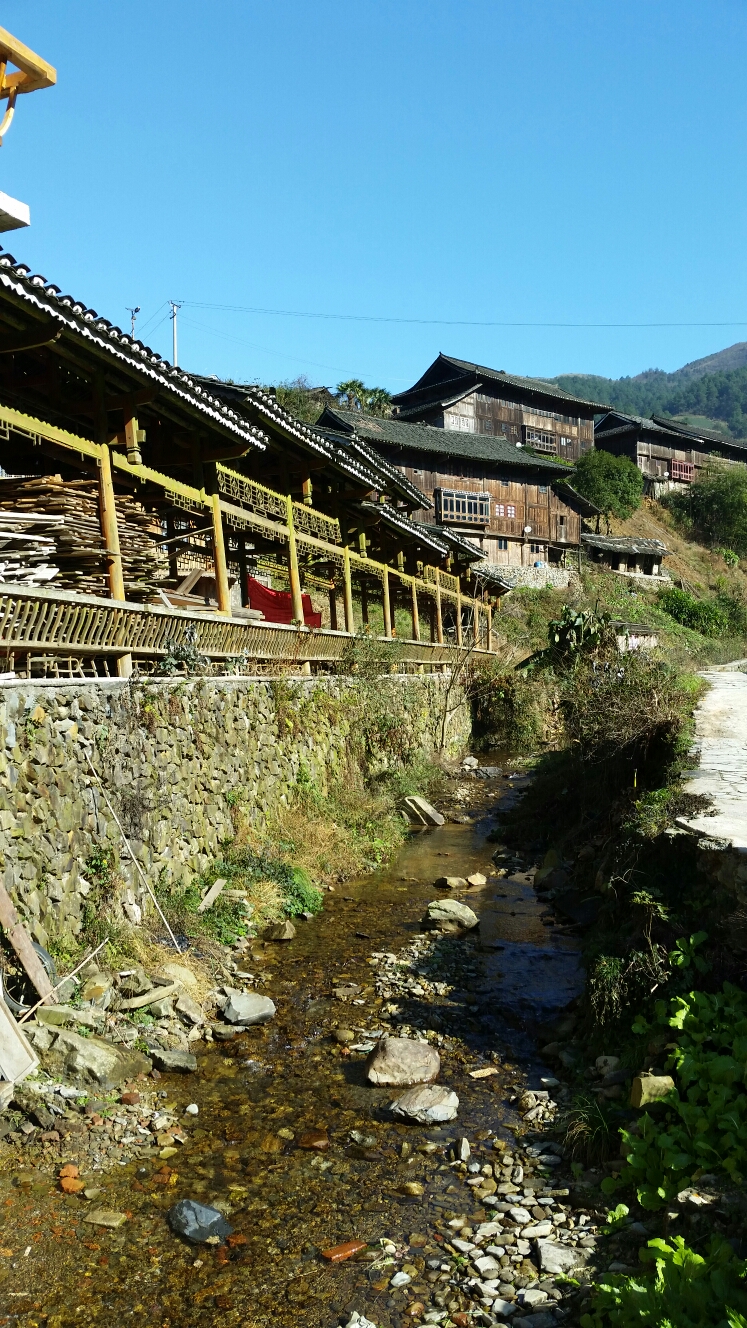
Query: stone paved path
[{"x": 721, "y": 750}]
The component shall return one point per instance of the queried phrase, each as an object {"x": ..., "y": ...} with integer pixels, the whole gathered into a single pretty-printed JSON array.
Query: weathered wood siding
[{"x": 550, "y": 432}]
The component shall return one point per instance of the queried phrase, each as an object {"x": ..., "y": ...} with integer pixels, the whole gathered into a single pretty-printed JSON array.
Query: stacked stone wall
[{"x": 174, "y": 756}]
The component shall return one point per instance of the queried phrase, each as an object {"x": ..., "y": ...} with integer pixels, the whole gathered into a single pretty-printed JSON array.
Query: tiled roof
[
  {"x": 415, "y": 529},
  {"x": 625, "y": 544},
  {"x": 658, "y": 424},
  {"x": 565, "y": 490},
  {"x": 439, "y": 390},
  {"x": 387, "y": 476},
  {"x": 457, "y": 541},
  {"x": 75, "y": 317},
  {"x": 445, "y": 442}
]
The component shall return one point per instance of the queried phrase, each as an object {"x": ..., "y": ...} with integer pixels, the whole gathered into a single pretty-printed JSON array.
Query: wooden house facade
[
  {"x": 516, "y": 507},
  {"x": 458, "y": 396},
  {"x": 669, "y": 455}
]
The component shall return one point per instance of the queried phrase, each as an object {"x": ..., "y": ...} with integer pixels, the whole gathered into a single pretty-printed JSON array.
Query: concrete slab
[{"x": 720, "y": 750}]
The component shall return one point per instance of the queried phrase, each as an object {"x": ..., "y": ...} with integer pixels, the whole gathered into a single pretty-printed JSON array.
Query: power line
[{"x": 434, "y": 322}]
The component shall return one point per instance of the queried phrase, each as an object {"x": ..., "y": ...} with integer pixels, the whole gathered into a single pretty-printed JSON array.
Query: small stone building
[{"x": 629, "y": 556}]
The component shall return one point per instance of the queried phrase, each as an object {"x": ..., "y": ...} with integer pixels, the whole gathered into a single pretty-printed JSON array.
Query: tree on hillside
[
  {"x": 714, "y": 507},
  {"x": 356, "y": 396},
  {"x": 614, "y": 484}
]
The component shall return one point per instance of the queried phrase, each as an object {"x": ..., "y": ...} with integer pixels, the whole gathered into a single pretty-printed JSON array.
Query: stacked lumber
[
  {"x": 27, "y": 548},
  {"x": 79, "y": 551}
]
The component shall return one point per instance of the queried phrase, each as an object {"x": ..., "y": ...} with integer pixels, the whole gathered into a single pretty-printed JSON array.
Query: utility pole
[
  {"x": 133, "y": 315},
  {"x": 175, "y": 304}
]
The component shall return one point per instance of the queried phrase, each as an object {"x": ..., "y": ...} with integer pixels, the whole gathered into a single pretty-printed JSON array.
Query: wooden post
[
  {"x": 386, "y": 603},
  {"x": 333, "y": 609},
  {"x": 476, "y": 621},
  {"x": 219, "y": 558},
  {"x": 295, "y": 579},
  {"x": 489, "y": 615},
  {"x": 347, "y": 599},
  {"x": 459, "y": 617},
  {"x": 19, "y": 938},
  {"x": 415, "y": 615},
  {"x": 364, "y": 601},
  {"x": 110, "y": 532},
  {"x": 132, "y": 436},
  {"x": 307, "y": 492},
  {"x": 439, "y": 617},
  {"x": 243, "y": 571}
]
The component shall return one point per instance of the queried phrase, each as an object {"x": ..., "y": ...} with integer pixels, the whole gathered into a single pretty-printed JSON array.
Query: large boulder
[
  {"x": 248, "y": 1007},
  {"x": 429, "y": 1105},
  {"x": 400, "y": 1061},
  {"x": 92, "y": 1060},
  {"x": 449, "y": 915},
  {"x": 183, "y": 1062}
]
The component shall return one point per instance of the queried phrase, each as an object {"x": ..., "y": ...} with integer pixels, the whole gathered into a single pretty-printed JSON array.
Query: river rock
[
  {"x": 248, "y": 1007},
  {"x": 105, "y": 1217},
  {"x": 649, "y": 1088},
  {"x": 189, "y": 1010},
  {"x": 61, "y": 1015},
  {"x": 181, "y": 1061},
  {"x": 357, "y": 1320},
  {"x": 448, "y": 915},
  {"x": 470, "y": 763},
  {"x": 400, "y": 1061},
  {"x": 198, "y": 1223},
  {"x": 181, "y": 974},
  {"x": 559, "y": 1259},
  {"x": 93, "y": 1060},
  {"x": 429, "y": 1105},
  {"x": 477, "y": 878},
  {"x": 280, "y": 931},
  {"x": 420, "y": 812},
  {"x": 451, "y": 882}
]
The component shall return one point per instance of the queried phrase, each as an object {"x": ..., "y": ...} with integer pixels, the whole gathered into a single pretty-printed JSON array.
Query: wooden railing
[{"x": 55, "y": 619}]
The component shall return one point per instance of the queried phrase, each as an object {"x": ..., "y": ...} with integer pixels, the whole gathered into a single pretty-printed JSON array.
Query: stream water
[{"x": 258, "y": 1095}]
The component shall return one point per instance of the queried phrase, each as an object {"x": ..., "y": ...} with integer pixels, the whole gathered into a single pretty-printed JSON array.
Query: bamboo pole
[
  {"x": 415, "y": 614},
  {"x": 439, "y": 617},
  {"x": 219, "y": 558},
  {"x": 347, "y": 592},
  {"x": 295, "y": 579},
  {"x": 110, "y": 532},
  {"x": 387, "y": 603}
]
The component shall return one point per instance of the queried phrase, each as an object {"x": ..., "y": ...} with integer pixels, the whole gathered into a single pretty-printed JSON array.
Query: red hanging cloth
[{"x": 277, "y": 605}]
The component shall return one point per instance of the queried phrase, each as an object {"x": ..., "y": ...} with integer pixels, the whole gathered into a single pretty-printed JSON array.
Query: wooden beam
[
  {"x": 386, "y": 603},
  {"x": 10, "y": 345},
  {"x": 347, "y": 591},
  {"x": 295, "y": 579},
  {"x": 143, "y": 398},
  {"x": 35, "y": 71},
  {"x": 219, "y": 558},
  {"x": 415, "y": 614},
  {"x": 24, "y": 946}
]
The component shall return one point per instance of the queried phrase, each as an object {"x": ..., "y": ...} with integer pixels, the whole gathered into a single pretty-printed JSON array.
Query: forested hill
[{"x": 711, "y": 389}]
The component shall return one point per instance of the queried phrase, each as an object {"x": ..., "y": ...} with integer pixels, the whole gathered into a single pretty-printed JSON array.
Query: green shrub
[
  {"x": 685, "y": 1290},
  {"x": 614, "y": 484},
  {"x": 701, "y": 1125},
  {"x": 700, "y": 615},
  {"x": 714, "y": 507}
]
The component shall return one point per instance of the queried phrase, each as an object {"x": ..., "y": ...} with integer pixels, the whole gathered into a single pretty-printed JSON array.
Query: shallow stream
[{"x": 258, "y": 1094}]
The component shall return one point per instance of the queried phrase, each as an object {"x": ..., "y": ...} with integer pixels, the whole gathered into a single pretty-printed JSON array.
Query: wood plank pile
[
  {"x": 27, "y": 548},
  {"x": 72, "y": 509}
]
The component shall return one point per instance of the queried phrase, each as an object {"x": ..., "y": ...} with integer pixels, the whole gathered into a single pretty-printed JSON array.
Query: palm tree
[
  {"x": 354, "y": 393},
  {"x": 379, "y": 401}
]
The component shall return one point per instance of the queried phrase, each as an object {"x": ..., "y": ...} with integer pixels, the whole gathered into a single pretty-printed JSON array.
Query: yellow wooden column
[
  {"x": 439, "y": 618},
  {"x": 387, "y": 603},
  {"x": 459, "y": 617},
  {"x": 219, "y": 558},
  {"x": 476, "y": 621},
  {"x": 132, "y": 435},
  {"x": 110, "y": 533},
  {"x": 295, "y": 579},
  {"x": 347, "y": 594},
  {"x": 415, "y": 614},
  {"x": 489, "y": 615}
]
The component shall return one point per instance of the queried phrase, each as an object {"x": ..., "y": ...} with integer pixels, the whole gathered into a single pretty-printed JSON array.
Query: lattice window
[
  {"x": 461, "y": 506},
  {"x": 682, "y": 470}
]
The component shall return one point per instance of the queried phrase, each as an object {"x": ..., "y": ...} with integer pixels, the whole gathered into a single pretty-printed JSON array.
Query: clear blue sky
[{"x": 525, "y": 161}]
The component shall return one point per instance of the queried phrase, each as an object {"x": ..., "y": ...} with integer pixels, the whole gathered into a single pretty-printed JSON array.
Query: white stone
[
  {"x": 450, "y": 916},
  {"x": 401, "y": 1061},
  {"x": 487, "y": 1266},
  {"x": 429, "y": 1105},
  {"x": 520, "y": 1216},
  {"x": 400, "y": 1280},
  {"x": 558, "y": 1258},
  {"x": 248, "y": 1007},
  {"x": 537, "y": 1231}
]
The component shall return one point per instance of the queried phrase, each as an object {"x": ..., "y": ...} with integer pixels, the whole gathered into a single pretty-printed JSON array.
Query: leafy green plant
[
  {"x": 684, "y": 953},
  {"x": 701, "y": 1125},
  {"x": 617, "y": 1220},
  {"x": 714, "y": 507},
  {"x": 685, "y": 1290},
  {"x": 614, "y": 484},
  {"x": 704, "y": 616}
]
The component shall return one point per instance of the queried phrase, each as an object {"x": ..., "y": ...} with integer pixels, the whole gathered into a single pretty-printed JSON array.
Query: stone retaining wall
[{"x": 173, "y": 756}]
